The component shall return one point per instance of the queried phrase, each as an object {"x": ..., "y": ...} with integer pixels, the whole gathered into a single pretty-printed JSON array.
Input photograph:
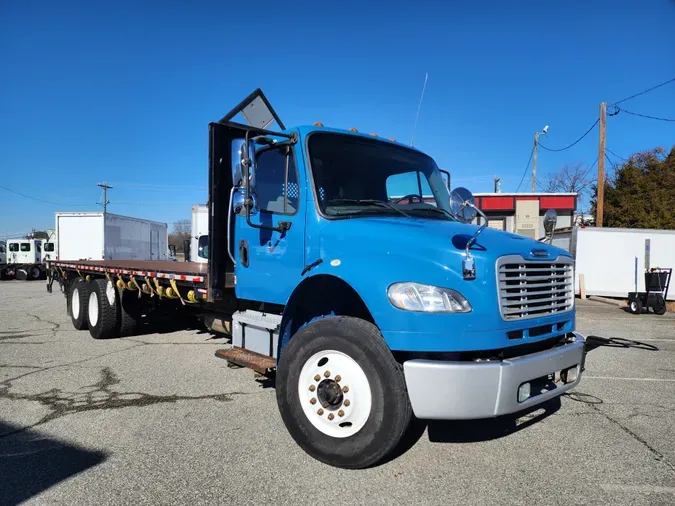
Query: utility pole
[
  {"x": 601, "y": 166},
  {"x": 534, "y": 163},
  {"x": 534, "y": 157},
  {"x": 105, "y": 187}
]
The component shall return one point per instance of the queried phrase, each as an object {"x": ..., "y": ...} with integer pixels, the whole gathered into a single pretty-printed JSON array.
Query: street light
[{"x": 544, "y": 131}]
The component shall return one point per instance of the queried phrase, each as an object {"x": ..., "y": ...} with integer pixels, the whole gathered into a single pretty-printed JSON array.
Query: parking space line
[
  {"x": 639, "y": 488},
  {"x": 667, "y": 380}
]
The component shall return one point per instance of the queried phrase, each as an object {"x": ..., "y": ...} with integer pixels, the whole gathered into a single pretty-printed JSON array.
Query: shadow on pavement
[
  {"x": 472, "y": 431},
  {"x": 593, "y": 342},
  {"x": 31, "y": 462}
]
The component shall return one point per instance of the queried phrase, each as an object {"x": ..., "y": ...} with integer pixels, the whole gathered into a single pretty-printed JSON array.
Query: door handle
[{"x": 243, "y": 252}]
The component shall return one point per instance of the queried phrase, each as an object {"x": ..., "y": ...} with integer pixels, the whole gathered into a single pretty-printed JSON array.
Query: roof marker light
[
  {"x": 352, "y": 129},
  {"x": 392, "y": 139},
  {"x": 373, "y": 134},
  {"x": 318, "y": 124}
]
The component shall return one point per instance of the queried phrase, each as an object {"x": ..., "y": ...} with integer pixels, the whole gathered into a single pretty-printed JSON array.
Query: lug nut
[
  {"x": 345, "y": 389},
  {"x": 312, "y": 400},
  {"x": 331, "y": 416},
  {"x": 327, "y": 374},
  {"x": 347, "y": 403},
  {"x": 312, "y": 388},
  {"x": 317, "y": 377},
  {"x": 338, "y": 378},
  {"x": 320, "y": 412},
  {"x": 341, "y": 413}
]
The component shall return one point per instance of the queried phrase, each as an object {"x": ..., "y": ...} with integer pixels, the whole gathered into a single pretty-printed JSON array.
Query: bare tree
[
  {"x": 572, "y": 179},
  {"x": 182, "y": 231}
]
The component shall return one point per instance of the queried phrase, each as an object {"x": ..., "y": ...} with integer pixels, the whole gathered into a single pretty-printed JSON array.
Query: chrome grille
[{"x": 529, "y": 289}]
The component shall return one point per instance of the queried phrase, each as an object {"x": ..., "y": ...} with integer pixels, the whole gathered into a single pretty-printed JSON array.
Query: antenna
[{"x": 426, "y": 76}]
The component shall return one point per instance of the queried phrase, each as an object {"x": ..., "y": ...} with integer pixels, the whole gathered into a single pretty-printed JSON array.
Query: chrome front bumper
[{"x": 466, "y": 390}]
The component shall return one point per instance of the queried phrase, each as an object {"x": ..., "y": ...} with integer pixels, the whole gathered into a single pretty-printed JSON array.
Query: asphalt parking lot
[{"x": 157, "y": 419}]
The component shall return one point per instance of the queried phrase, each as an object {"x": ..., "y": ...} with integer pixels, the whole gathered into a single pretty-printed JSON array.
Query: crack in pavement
[
  {"x": 99, "y": 396},
  {"x": 657, "y": 454}
]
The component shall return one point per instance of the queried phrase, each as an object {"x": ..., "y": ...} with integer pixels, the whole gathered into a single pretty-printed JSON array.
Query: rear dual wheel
[
  {"x": 98, "y": 306},
  {"x": 108, "y": 313}
]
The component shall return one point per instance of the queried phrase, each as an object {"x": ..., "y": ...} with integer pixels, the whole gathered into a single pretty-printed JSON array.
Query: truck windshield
[{"x": 356, "y": 176}]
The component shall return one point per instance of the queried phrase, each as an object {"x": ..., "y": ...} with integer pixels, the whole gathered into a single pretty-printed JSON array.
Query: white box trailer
[
  {"x": 105, "y": 236},
  {"x": 613, "y": 260},
  {"x": 199, "y": 234}
]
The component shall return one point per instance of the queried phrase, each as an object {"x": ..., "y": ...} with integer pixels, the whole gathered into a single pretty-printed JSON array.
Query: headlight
[{"x": 427, "y": 298}]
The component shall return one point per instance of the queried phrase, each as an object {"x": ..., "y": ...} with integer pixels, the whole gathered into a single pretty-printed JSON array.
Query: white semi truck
[
  {"x": 105, "y": 236},
  {"x": 23, "y": 260}
]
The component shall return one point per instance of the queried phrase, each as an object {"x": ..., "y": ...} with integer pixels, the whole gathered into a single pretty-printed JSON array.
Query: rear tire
[
  {"x": 102, "y": 309},
  {"x": 359, "y": 426},
  {"x": 130, "y": 312},
  {"x": 34, "y": 272},
  {"x": 660, "y": 310},
  {"x": 78, "y": 302}
]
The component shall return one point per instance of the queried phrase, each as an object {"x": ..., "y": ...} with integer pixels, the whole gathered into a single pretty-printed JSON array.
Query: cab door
[{"x": 269, "y": 251}]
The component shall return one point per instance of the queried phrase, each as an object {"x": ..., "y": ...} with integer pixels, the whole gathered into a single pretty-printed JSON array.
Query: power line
[
  {"x": 526, "y": 167},
  {"x": 42, "y": 200},
  {"x": 575, "y": 142},
  {"x": 610, "y": 161},
  {"x": 619, "y": 157},
  {"x": 645, "y": 91},
  {"x": 644, "y": 115}
]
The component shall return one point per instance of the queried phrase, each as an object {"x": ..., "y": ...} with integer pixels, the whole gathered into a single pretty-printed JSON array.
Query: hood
[{"x": 391, "y": 234}]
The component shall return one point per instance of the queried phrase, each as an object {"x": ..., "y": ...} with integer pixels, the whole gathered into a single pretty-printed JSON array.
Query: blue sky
[{"x": 124, "y": 92}]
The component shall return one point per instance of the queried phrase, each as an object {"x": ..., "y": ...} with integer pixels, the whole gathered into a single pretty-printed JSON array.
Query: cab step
[{"x": 261, "y": 364}]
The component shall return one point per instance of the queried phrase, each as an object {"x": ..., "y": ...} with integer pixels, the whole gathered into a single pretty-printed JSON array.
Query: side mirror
[
  {"x": 238, "y": 158},
  {"x": 239, "y": 201},
  {"x": 550, "y": 220},
  {"x": 463, "y": 205}
]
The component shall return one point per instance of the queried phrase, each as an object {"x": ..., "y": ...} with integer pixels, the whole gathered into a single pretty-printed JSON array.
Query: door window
[
  {"x": 25, "y": 246},
  {"x": 203, "y": 248},
  {"x": 270, "y": 175},
  {"x": 13, "y": 247}
]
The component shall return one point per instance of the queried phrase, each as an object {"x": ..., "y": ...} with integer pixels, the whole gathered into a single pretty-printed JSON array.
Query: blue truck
[{"x": 341, "y": 264}]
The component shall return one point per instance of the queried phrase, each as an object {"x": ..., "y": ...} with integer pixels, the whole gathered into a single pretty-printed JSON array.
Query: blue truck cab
[{"x": 351, "y": 271}]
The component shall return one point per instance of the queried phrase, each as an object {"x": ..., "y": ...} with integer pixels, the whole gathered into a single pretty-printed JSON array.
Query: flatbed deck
[{"x": 163, "y": 269}]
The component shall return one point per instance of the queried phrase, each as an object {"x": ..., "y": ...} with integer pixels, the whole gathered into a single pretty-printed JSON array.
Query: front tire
[
  {"x": 357, "y": 411},
  {"x": 635, "y": 306}
]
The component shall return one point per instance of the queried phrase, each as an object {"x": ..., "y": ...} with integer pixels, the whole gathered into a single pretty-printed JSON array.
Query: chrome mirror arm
[{"x": 468, "y": 265}]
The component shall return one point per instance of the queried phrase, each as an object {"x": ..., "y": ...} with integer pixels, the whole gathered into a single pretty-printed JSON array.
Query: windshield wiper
[
  {"x": 368, "y": 202},
  {"x": 435, "y": 210}
]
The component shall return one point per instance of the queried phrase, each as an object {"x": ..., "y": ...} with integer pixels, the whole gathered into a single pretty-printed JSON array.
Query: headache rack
[{"x": 534, "y": 288}]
